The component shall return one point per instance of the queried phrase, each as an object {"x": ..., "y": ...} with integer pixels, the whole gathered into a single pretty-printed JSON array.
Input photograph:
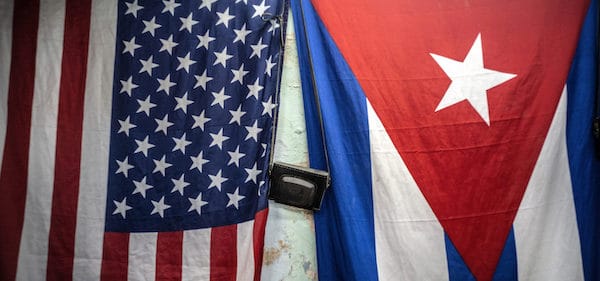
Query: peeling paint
[
  {"x": 272, "y": 254},
  {"x": 309, "y": 270}
]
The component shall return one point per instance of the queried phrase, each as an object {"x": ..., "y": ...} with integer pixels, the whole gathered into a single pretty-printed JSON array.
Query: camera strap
[
  {"x": 282, "y": 26},
  {"x": 316, "y": 99}
]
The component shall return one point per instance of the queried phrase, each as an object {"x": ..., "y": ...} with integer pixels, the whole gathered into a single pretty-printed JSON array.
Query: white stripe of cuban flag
[
  {"x": 546, "y": 233},
  {"x": 418, "y": 241}
]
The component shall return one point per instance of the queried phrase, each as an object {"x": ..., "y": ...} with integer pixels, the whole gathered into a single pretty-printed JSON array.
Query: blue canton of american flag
[{"x": 193, "y": 104}]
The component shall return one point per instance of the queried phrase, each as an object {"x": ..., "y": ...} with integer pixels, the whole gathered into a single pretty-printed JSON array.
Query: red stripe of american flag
[
  {"x": 13, "y": 176},
  {"x": 223, "y": 253},
  {"x": 68, "y": 140},
  {"x": 169, "y": 255},
  {"x": 260, "y": 221},
  {"x": 115, "y": 257}
]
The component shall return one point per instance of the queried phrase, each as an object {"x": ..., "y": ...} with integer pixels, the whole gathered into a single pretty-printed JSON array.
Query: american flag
[{"x": 136, "y": 137}]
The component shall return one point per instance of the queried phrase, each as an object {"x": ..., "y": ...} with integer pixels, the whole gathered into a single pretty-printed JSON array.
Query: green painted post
[{"x": 290, "y": 252}]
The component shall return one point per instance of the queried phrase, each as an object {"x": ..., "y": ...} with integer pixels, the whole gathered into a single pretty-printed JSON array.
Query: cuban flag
[{"x": 459, "y": 138}]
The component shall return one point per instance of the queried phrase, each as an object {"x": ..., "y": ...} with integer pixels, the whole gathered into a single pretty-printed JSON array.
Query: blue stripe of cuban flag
[
  {"x": 347, "y": 212},
  {"x": 585, "y": 169},
  {"x": 345, "y": 227}
]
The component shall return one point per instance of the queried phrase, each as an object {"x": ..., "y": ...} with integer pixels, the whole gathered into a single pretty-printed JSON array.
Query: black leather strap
[
  {"x": 316, "y": 96},
  {"x": 315, "y": 90}
]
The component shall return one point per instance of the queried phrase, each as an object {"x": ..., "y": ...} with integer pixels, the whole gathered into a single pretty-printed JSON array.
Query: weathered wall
[{"x": 289, "y": 240}]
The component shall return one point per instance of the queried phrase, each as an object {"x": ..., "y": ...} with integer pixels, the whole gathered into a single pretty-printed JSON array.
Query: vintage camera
[{"x": 298, "y": 186}]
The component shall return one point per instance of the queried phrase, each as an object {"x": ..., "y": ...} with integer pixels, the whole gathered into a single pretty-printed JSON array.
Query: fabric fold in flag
[
  {"x": 446, "y": 125},
  {"x": 137, "y": 138}
]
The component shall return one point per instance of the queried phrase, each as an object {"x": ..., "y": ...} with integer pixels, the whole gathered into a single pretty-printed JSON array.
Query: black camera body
[{"x": 298, "y": 186}]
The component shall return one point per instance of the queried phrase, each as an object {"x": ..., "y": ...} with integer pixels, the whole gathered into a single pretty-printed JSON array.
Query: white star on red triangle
[{"x": 470, "y": 80}]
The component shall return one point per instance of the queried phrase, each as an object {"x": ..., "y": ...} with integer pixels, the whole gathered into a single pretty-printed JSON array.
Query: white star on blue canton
[
  {"x": 235, "y": 198},
  {"x": 127, "y": 86},
  {"x": 252, "y": 173},
  {"x": 204, "y": 40},
  {"x": 202, "y": 80},
  {"x": 163, "y": 124},
  {"x": 183, "y": 103},
  {"x": 121, "y": 207},
  {"x": 145, "y": 106},
  {"x": 224, "y": 18},
  {"x": 141, "y": 187},
  {"x": 257, "y": 48},
  {"x": 124, "y": 166},
  {"x": 218, "y": 139},
  {"x": 220, "y": 98},
  {"x": 235, "y": 156},
  {"x": 198, "y": 162},
  {"x": 236, "y": 115},
  {"x": 147, "y": 66},
  {"x": 179, "y": 185},
  {"x": 130, "y": 46},
  {"x": 170, "y": 6},
  {"x": 222, "y": 57},
  {"x": 151, "y": 26},
  {"x": 216, "y": 180},
  {"x": 238, "y": 75},
  {"x": 240, "y": 34},
  {"x": 269, "y": 66},
  {"x": 260, "y": 10},
  {"x": 143, "y": 146},
  {"x": 206, "y": 4},
  {"x": 165, "y": 84},
  {"x": 254, "y": 89},
  {"x": 253, "y": 131},
  {"x": 196, "y": 204},
  {"x": 133, "y": 8},
  {"x": 187, "y": 23},
  {"x": 185, "y": 63},
  {"x": 125, "y": 126},
  {"x": 159, "y": 207},
  {"x": 168, "y": 45},
  {"x": 268, "y": 107},
  {"x": 200, "y": 120},
  {"x": 161, "y": 165},
  {"x": 181, "y": 143}
]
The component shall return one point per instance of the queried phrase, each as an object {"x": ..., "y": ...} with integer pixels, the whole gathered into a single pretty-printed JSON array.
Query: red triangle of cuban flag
[{"x": 467, "y": 91}]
